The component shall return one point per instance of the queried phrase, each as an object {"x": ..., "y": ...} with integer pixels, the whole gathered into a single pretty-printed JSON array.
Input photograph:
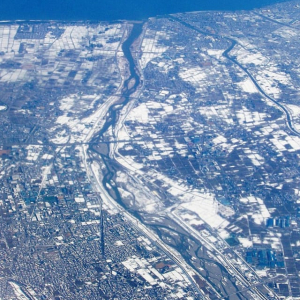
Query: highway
[{"x": 107, "y": 117}]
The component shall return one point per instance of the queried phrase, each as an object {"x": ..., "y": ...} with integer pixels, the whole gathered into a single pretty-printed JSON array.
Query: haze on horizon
[{"x": 73, "y": 10}]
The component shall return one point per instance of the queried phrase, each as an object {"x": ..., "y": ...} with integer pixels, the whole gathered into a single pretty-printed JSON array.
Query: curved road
[
  {"x": 106, "y": 186},
  {"x": 289, "y": 119}
]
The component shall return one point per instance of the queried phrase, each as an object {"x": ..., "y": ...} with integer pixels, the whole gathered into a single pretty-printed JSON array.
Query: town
[{"x": 153, "y": 164}]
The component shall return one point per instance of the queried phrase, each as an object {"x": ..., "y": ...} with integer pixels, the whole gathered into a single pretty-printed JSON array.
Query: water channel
[{"x": 184, "y": 243}]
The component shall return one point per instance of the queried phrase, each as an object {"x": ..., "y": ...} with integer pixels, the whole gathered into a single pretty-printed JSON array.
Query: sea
[{"x": 112, "y": 10}]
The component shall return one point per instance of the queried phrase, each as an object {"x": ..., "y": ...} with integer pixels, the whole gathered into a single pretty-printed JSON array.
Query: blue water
[{"x": 109, "y": 10}]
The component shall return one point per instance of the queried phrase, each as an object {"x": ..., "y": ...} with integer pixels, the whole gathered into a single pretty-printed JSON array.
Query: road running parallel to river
[
  {"x": 108, "y": 189},
  {"x": 106, "y": 185}
]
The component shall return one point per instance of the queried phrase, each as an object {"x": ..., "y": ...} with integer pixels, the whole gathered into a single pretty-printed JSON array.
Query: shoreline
[{"x": 138, "y": 20}]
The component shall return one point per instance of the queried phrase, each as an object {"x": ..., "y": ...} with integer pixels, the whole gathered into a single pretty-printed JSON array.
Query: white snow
[
  {"x": 248, "y": 86},
  {"x": 79, "y": 199},
  {"x": 205, "y": 206},
  {"x": 151, "y": 48},
  {"x": 193, "y": 75},
  {"x": 139, "y": 114},
  {"x": 257, "y": 209}
]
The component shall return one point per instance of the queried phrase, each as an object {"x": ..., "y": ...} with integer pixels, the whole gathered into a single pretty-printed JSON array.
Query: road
[
  {"x": 288, "y": 117},
  {"x": 108, "y": 117}
]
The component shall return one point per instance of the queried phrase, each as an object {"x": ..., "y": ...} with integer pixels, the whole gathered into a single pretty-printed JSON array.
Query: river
[
  {"x": 112, "y": 115},
  {"x": 169, "y": 230}
]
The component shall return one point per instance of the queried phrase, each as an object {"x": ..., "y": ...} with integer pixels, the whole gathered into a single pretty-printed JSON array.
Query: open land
[{"x": 151, "y": 160}]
